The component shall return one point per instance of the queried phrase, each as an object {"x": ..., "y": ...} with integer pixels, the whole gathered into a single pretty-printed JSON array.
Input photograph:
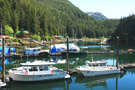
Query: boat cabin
[
  {"x": 38, "y": 68},
  {"x": 32, "y": 51},
  {"x": 96, "y": 63}
]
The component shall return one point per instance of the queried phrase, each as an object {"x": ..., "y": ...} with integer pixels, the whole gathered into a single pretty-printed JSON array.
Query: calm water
[{"x": 125, "y": 81}]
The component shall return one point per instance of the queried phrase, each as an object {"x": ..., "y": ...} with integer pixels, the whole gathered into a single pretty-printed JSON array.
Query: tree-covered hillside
[
  {"x": 126, "y": 29},
  {"x": 47, "y": 18}
]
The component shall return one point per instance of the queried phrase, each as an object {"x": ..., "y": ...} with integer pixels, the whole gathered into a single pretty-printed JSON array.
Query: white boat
[
  {"x": 2, "y": 84},
  {"x": 37, "y": 71},
  {"x": 62, "y": 48},
  {"x": 96, "y": 68}
]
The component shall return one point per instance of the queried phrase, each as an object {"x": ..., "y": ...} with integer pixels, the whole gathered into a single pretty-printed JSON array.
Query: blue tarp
[
  {"x": 56, "y": 50},
  {"x": 8, "y": 49},
  {"x": 53, "y": 49}
]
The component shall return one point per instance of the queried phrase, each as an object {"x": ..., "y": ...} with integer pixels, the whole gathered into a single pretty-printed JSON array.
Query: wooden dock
[
  {"x": 129, "y": 65},
  {"x": 108, "y": 51}
]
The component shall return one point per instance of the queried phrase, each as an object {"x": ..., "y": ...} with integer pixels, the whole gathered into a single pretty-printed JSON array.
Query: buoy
[
  {"x": 26, "y": 72},
  {"x": 51, "y": 71},
  {"x": 7, "y": 79}
]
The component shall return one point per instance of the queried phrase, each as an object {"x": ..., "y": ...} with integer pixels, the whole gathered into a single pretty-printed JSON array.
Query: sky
[{"x": 112, "y": 9}]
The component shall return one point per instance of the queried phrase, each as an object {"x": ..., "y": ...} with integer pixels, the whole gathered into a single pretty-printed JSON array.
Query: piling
[
  {"x": 3, "y": 60},
  {"x": 117, "y": 52},
  {"x": 67, "y": 54}
]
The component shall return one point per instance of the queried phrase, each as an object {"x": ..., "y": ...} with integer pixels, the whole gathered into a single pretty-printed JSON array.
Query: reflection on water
[
  {"x": 109, "y": 82},
  {"x": 42, "y": 85},
  {"x": 91, "y": 82}
]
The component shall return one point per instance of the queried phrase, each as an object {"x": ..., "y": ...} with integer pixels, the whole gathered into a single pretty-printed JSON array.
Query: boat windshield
[
  {"x": 41, "y": 68},
  {"x": 97, "y": 64}
]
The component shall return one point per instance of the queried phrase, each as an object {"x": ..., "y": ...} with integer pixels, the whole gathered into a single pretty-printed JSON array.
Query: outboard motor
[{"x": 122, "y": 69}]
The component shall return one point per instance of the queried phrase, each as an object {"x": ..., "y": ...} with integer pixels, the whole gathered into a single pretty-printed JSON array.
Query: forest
[
  {"x": 126, "y": 29},
  {"x": 46, "y": 18}
]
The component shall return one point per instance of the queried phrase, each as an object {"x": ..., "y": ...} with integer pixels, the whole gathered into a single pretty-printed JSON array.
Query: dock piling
[{"x": 3, "y": 60}]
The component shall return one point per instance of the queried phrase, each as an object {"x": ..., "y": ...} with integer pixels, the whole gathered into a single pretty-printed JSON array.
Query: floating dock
[{"x": 129, "y": 65}]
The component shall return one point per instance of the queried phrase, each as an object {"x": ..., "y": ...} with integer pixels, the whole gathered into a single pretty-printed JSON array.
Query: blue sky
[{"x": 115, "y": 9}]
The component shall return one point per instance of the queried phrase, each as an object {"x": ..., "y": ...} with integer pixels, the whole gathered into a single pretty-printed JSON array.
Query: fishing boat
[
  {"x": 37, "y": 71},
  {"x": 96, "y": 68}
]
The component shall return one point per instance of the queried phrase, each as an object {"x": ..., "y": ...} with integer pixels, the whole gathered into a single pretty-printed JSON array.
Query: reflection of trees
[
  {"x": 96, "y": 81},
  {"x": 42, "y": 85}
]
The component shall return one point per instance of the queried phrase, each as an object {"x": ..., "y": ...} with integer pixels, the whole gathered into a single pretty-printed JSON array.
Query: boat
[
  {"x": 2, "y": 84},
  {"x": 37, "y": 71},
  {"x": 96, "y": 68},
  {"x": 35, "y": 51},
  {"x": 61, "y": 49}
]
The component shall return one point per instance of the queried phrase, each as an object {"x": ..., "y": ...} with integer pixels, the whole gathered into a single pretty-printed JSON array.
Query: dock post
[
  {"x": 117, "y": 52},
  {"x": 67, "y": 54},
  {"x": 3, "y": 60}
]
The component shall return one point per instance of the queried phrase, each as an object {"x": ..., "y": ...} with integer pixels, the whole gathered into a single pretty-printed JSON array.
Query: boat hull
[
  {"x": 87, "y": 73},
  {"x": 43, "y": 77}
]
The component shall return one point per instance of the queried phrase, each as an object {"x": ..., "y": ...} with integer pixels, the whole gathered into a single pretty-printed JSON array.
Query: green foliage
[
  {"x": 47, "y": 18},
  {"x": 36, "y": 37},
  {"x": 102, "y": 37},
  {"x": 8, "y": 30},
  {"x": 21, "y": 34},
  {"x": 14, "y": 39},
  {"x": 126, "y": 29}
]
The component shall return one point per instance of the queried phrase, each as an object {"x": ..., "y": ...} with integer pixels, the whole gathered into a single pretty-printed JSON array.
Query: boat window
[
  {"x": 45, "y": 67},
  {"x": 90, "y": 65},
  {"x": 33, "y": 69},
  {"x": 95, "y": 64},
  {"x": 102, "y": 64},
  {"x": 41, "y": 68}
]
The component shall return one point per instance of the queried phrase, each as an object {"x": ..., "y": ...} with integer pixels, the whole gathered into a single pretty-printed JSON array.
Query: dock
[
  {"x": 107, "y": 51},
  {"x": 129, "y": 65}
]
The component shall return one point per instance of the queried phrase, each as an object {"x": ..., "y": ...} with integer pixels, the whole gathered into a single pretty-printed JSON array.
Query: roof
[
  {"x": 96, "y": 62},
  {"x": 37, "y": 63},
  {"x": 25, "y": 31}
]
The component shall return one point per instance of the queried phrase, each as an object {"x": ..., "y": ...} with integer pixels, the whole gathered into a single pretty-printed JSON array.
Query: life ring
[
  {"x": 51, "y": 71},
  {"x": 26, "y": 72}
]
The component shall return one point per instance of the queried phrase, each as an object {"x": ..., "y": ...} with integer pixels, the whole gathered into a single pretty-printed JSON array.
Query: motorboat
[
  {"x": 37, "y": 71},
  {"x": 96, "y": 68},
  {"x": 2, "y": 84}
]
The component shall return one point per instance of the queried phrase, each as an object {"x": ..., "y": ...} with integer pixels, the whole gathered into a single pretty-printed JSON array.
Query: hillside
[
  {"x": 126, "y": 30},
  {"x": 47, "y": 18},
  {"x": 97, "y": 15}
]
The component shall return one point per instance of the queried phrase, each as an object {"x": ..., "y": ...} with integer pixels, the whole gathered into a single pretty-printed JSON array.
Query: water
[{"x": 124, "y": 81}]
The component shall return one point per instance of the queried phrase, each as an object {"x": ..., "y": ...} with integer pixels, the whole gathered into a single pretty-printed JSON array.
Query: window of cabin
[
  {"x": 45, "y": 68},
  {"x": 41, "y": 68},
  {"x": 33, "y": 69},
  {"x": 103, "y": 64},
  {"x": 95, "y": 64}
]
